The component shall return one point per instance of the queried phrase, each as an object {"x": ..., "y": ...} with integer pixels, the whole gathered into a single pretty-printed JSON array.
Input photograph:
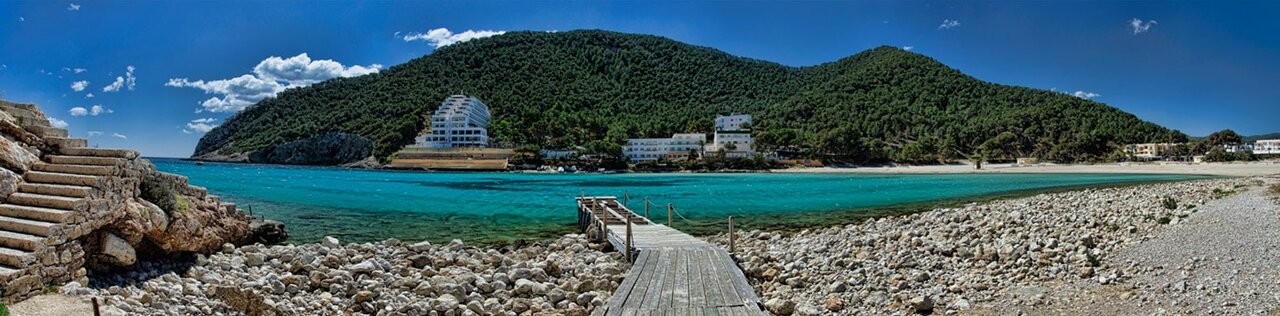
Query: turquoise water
[{"x": 366, "y": 205}]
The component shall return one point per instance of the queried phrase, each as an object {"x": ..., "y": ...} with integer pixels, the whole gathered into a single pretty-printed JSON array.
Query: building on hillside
[
  {"x": 1149, "y": 150},
  {"x": 459, "y": 122},
  {"x": 732, "y": 136},
  {"x": 1266, "y": 147},
  {"x": 1238, "y": 148},
  {"x": 678, "y": 147}
]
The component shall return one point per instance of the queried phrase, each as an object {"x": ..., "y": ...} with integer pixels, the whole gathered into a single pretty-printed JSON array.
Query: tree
[{"x": 1223, "y": 137}]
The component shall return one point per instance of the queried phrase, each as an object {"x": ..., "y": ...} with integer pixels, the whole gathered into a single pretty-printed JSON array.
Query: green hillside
[{"x": 595, "y": 88}]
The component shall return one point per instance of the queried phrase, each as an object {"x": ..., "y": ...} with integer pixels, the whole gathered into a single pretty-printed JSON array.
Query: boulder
[
  {"x": 116, "y": 251},
  {"x": 268, "y": 232}
]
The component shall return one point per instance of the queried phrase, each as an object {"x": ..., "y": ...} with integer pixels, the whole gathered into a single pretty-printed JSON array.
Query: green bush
[
  {"x": 159, "y": 195},
  {"x": 1170, "y": 203},
  {"x": 4, "y": 310}
]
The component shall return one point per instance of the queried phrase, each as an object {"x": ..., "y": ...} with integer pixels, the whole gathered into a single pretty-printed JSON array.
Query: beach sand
[{"x": 1263, "y": 168}]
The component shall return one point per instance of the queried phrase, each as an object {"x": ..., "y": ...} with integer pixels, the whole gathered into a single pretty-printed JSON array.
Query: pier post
[
  {"x": 670, "y": 209},
  {"x": 731, "y": 236},
  {"x": 629, "y": 254},
  {"x": 624, "y": 198},
  {"x": 646, "y": 209}
]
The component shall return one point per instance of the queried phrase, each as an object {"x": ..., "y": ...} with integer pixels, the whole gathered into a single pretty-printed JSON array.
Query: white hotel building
[
  {"x": 733, "y": 134},
  {"x": 679, "y": 146},
  {"x": 461, "y": 121},
  {"x": 1266, "y": 147}
]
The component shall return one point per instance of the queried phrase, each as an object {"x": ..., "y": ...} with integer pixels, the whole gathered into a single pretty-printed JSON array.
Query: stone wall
[{"x": 115, "y": 225}]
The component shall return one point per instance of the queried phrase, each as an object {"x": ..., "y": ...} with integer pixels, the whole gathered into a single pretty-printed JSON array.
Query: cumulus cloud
[
  {"x": 79, "y": 85},
  {"x": 203, "y": 125},
  {"x": 56, "y": 123},
  {"x": 442, "y": 37},
  {"x": 128, "y": 81},
  {"x": 94, "y": 110},
  {"x": 1085, "y": 95},
  {"x": 89, "y": 96},
  {"x": 73, "y": 7},
  {"x": 1139, "y": 27},
  {"x": 949, "y": 24},
  {"x": 22, "y": 19},
  {"x": 117, "y": 135},
  {"x": 908, "y": 47},
  {"x": 269, "y": 77},
  {"x": 302, "y": 71},
  {"x": 75, "y": 70},
  {"x": 94, "y": 133}
]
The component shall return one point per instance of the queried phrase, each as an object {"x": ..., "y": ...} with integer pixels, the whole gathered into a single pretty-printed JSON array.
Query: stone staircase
[{"x": 53, "y": 198}]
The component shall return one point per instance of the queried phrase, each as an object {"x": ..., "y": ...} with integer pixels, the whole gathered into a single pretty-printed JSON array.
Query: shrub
[
  {"x": 4, "y": 310},
  {"x": 1219, "y": 193},
  {"x": 181, "y": 202},
  {"x": 1274, "y": 190},
  {"x": 1170, "y": 203},
  {"x": 1164, "y": 220},
  {"x": 159, "y": 195}
]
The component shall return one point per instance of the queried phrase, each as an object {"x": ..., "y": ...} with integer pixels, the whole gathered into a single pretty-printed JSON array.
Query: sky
[{"x": 154, "y": 76}]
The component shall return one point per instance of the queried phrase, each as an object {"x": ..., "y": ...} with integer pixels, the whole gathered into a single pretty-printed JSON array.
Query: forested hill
[{"x": 595, "y": 88}]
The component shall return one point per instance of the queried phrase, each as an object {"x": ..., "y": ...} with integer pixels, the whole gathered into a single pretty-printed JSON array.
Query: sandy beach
[{"x": 1261, "y": 168}]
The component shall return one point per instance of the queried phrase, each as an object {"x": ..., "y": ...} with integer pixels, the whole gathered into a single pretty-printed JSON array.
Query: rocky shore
[
  {"x": 568, "y": 276},
  {"x": 948, "y": 260}
]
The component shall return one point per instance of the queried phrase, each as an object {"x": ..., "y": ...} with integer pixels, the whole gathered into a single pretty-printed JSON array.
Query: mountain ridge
[{"x": 594, "y": 88}]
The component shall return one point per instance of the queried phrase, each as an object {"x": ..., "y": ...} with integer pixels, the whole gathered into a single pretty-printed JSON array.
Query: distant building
[
  {"x": 1149, "y": 150},
  {"x": 460, "y": 122},
  {"x": 1238, "y": 148},
  {"x": 733, "y": 136},
  {"x": 678, "y": 147},
  {"x": 1266, "y": 147}
]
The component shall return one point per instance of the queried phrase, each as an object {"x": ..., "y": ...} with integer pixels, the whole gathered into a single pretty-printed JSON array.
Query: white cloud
[
  {"x": 94, "y": 110},
  {"x": 22, "y": 19},
  {"x": 89, "y": 96},
  {"x": 117, "y": 135},
  {"x": 79, "y": 85},
  {"x": 75, "y": 70},
  {"x": 908, "y": 47},
  {"x": 56, "y": 123},
  {"x": 114, "y": 86},
  {"x": 73, "y": 7},
  {"x": 302, "y": 71},
  {"x": 1139, "y": 26},
  {"x": 1085, "y": 95},
  {"x": 94, "y": 133},
  {"x": 122, "y": 82},
  {"x": 949, "y": 24},
  {"x": 200, "y": 125},
  {"x": 269, "y": 77},
  {"x": 442, "y": 37}
]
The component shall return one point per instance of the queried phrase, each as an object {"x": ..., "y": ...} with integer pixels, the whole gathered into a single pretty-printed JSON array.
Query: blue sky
[{"x": 1198, "y": 67}]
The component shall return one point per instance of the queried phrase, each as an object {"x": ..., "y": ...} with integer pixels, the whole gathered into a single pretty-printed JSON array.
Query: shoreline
[{"x": 1231, "y": 169}]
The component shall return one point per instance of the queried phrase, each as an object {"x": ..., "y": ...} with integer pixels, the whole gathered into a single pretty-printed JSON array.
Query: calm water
[{"x": 364, "y": 205}]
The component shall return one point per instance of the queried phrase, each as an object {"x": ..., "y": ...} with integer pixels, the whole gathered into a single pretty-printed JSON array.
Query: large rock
[
  {"x": 15, "y": 157},
  {"x": 268, "y": 232},
  {"x": 116, "y": 251}
]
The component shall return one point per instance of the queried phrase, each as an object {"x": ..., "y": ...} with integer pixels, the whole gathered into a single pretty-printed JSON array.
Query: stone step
[
  {"x": 44, "y": 131},
  {"x": 63, "y": 142},
  {"x": 20, "y": 241},
  {"x": 15, "y": 258},
  {"x": 36, "y": 213},
  {"x": 25, "y": 117},
  {"x": 61, "y": 178},
  {"x": 56, "y": 189},
  {"x": 90, "y": 170},
  {"x": 25, "y": 226},
  {"x": 99, "y": 152},
  {"x": 84, "y": 160},
  {"x": 7, "y": 272},
  {"x": 41, "y": 200}
]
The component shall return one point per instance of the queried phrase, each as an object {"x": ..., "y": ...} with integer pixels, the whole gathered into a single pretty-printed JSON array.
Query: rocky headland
[{"x": 1010, "y": 253}]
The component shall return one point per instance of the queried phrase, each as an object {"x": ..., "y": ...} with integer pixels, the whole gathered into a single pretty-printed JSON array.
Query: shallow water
[{"x": 367, "y": 205}]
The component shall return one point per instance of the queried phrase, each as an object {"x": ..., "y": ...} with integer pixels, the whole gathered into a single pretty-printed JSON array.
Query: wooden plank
[
  {"x": 653, "y": 296},
  {"x": 668, "y": 283},
  {"x": 725, "y": 265},
  {"x": 636, "y": 296},
  {"x": 681, "y": 287},
  {"x": 697, "y": 282},
  {"x": 624, "y": 290}
]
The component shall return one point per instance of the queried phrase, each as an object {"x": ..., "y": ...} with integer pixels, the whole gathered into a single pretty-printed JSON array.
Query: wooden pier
[{"x": 672, "y": 273}]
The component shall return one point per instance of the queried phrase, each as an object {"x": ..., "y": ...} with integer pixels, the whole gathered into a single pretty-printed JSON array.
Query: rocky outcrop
[
  {"x": 327, "y": 149},
  {"x": 67, "y": 209}
]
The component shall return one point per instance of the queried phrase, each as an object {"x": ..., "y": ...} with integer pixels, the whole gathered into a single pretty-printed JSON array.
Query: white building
[
  {"x": 679, "y": 146},
  {"x": 461, "y": 121},
  {"x": 733, "y": 135},
  {"x": 1267, "y": 147}
]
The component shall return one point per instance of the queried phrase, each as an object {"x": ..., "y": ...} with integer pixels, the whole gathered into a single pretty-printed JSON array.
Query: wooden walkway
[{"x": 672, "y": 273}]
